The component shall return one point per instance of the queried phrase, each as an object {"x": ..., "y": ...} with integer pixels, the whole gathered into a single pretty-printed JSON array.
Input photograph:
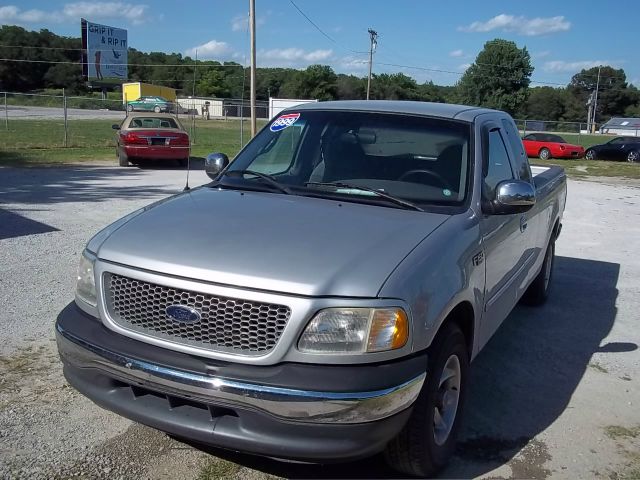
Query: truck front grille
[{"x": 246, "y": 327}]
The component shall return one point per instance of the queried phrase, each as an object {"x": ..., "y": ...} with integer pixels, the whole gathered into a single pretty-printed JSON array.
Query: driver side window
[{"x": 498, "y": 164}]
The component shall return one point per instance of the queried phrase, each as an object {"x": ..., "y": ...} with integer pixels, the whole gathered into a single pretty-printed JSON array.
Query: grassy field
[
  {"x": 41, "y": 142},
  {"x": 38, "y": 142}
]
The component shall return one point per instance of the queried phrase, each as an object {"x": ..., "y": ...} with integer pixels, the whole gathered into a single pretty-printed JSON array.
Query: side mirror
[
  {"x": 115, "y": 126},
  {"x": 215, "y": 163},
  {"x": 513, "y": 196}
]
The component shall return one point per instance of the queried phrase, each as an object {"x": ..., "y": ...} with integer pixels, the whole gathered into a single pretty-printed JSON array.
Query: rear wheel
[
  {"x": 123, "y": 159},
  {"x": 538, "y": 291},
  {"x": 428, "y": 439},
  {"x": 590, "y": 154},
  {"x": 129, "y": 108},
  {"x": 183, "y": 162},
  {"x": 157, "y": 109},
  {"x": 544, "y": 154},
  {"x": 633, "y": 156}
]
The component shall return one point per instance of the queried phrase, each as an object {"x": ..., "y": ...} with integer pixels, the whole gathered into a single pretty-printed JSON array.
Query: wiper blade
[
  {"x": 268, "y": 179},
  {"x": 381, "y": 194}
]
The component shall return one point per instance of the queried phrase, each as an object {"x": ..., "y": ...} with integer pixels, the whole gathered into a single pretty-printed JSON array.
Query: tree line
[{"x": 500, "y": 77}]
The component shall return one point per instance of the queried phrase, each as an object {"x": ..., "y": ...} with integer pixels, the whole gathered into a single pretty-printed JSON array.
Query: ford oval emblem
[{"x": 182, "y": 314}]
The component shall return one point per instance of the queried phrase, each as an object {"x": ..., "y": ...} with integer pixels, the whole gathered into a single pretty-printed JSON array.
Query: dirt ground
[{"x": 555, "y": 394}]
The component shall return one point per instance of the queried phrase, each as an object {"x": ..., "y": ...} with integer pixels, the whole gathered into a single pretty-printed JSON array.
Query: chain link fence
[
  {"x": 574, "y": 128},
  {"x": 42, "y": 121}
]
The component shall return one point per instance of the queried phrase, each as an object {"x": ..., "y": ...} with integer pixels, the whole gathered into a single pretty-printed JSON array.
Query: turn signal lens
[{"x": 389, "y": 330}]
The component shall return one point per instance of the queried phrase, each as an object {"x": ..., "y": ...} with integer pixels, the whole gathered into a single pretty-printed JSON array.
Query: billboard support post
[
  {"x": 6, "y": 112},
  {"x": 66, "y": 125}
]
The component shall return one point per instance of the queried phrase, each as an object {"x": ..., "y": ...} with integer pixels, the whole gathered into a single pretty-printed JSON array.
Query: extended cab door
[{"x": 507, "y": 239}]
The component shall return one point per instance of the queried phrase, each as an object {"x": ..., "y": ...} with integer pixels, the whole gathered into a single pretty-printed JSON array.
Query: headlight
[
  {"x": 355, "y": 330},
  {"x": 86, "y": 284}
]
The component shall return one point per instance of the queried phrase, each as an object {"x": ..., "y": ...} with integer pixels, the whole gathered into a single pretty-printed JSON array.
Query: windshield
[
  {"x": 153, "y": 122},
  {"x": 421, "y": 160}
]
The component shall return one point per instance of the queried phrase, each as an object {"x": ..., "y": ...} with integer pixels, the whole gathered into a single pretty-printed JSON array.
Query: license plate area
[{"x": 159, "y": 141}]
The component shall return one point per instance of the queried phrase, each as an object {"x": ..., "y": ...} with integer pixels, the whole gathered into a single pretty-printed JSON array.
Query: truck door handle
[{"x": 523, "y": 224}]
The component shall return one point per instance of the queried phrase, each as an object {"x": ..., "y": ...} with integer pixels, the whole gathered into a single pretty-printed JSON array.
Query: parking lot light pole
[
  {"x": 66, "y": 125},
  {"x": 6, "y": 112}
]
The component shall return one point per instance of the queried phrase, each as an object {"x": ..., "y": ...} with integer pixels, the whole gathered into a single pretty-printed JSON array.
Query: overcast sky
[{"x": 431, "y": 40}]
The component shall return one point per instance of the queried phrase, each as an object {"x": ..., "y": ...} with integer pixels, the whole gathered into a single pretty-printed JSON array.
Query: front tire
[
  {"x": 633, "y": 156},
  {"x": 157, "y": 109},
  {"x": 590, "y": 154},
  {"x": 428, "y": 440},
  {"x": 538, "y": 291},
  {"x": 544, "y": 154}
]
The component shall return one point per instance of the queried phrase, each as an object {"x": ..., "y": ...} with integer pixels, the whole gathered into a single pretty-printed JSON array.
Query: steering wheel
[{"x": 435, "y": 175}]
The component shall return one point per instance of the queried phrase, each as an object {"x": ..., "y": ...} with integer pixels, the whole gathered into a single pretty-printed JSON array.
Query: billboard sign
[{"x": 105, "y": 53}]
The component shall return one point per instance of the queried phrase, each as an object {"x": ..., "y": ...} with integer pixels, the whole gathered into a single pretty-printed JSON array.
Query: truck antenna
[{"x": 186, "y": 186}]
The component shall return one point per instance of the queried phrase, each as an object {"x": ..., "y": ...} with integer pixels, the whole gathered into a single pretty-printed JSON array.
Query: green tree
[
  {"x": 499, "y": 78},
  {"x": 615, "y": 95},
  {"x": 350, "y": 87},
  {"x": 396, "y": 86},
  {"x": 315, "y": 82},
  {"x": 545, "y": 103}
]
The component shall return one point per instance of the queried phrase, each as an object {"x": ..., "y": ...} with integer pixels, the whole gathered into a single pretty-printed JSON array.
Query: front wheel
[
  {"x": 590, "y": 154},
  {"x": 427, "y": 441},
  {"x": 633, "y": 156},
  {"x": 157, "y": 109},
  {"x": 544, "y": 154}
]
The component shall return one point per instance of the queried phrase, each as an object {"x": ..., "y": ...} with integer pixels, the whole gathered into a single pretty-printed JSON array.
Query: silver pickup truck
[{"x": 321, "y": 299}]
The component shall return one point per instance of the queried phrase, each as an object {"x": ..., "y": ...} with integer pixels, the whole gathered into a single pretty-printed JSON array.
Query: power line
[
  {"x": 325, "y": 34},
  {"x": 200, "y": 65}
]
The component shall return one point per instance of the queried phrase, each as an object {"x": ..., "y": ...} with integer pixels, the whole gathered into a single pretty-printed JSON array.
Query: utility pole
[
  {"x": 373, "y": 36},
  {"x": 252, "y": 27},
  {"x": 595, "y": 103}
]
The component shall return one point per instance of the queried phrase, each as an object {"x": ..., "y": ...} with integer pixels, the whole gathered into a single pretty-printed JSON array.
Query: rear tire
[
  {"x": 538, "y": 291},
  {"x": 123, "y": 159},
  {"x": 422, "y": 448},
  {"x": 183, "y": 162},
  {"x": 129, "y": 108},
  {"x": 544, "y": 154},
  {"x": 157, "y": 109}
]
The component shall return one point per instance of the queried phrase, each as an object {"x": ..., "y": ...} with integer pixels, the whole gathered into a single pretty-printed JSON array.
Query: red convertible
[
  {"x": 151, "y": 136},
  {"x": 547, "y": 145}
]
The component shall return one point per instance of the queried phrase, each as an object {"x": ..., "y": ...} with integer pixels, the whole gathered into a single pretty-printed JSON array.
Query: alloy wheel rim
[
  {"x": 447, "y": 399},
  {"x": 633, "y": 157},
  {"x": 589, "y": 155}
]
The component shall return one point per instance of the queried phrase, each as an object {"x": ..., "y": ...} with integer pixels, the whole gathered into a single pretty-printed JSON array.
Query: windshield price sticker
[{"x": 284, "y": 121}]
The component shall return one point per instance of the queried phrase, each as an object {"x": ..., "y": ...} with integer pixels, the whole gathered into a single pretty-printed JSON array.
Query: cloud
[
  {"x": 240, "y": 23},
  {"x": 213, "y": 50},
  {"x": 520, "y": 25},
  {"x": 134, "y": 13},
  {"x": 456, "y": 53},
  {"x": 464, "y": 67},
  {"x": 560, "y": 66},
  {"x": 543, "y": 54},
  {"x": 294, "y": 56},
  {"x": 11, "y": 14}
]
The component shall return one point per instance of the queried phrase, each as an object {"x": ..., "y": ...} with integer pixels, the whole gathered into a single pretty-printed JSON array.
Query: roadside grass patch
[
  {"x": 218, "y": 469},
  {"x": 616, "y": 432}
]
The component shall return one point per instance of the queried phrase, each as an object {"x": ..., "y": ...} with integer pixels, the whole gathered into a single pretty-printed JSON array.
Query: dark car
[{"x": 618, "y": 148}]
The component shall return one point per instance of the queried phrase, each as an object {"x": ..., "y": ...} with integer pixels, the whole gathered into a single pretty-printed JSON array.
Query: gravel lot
[{"x": 554, "y": 394}]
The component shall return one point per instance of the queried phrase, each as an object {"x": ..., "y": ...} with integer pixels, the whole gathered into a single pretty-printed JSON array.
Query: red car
[
  {"x": 151, "y": 136},
  {"x": 547, "y": 145}
]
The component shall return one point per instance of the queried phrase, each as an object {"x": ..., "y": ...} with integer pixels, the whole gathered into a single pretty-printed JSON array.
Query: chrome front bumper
[{"x": 283, "y": 403}]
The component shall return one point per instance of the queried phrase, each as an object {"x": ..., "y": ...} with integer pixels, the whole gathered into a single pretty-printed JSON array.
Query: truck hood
[{"x": 267, "y": 241}]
